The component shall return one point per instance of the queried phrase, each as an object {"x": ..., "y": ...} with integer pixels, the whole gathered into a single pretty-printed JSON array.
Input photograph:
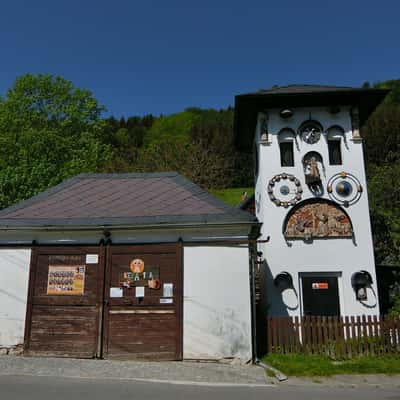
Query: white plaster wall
[
  {"x": 340, "y": 256},
  {"x": 216, "y": 303},
  {"x": 14, "y": 276}
]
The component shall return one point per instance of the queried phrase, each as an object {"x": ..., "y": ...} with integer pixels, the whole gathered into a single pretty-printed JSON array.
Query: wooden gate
[
  {"x": 111, "y": 302},
  {"x": 143, "y": 297},
  {"x": 65, "y": 293}
]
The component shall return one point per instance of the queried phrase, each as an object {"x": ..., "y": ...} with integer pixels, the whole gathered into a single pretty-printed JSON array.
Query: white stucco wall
[
  {"x": 216, "y": 303},
  {"x": 342, "y": 257},
  {"x": 14, "y": 275}
]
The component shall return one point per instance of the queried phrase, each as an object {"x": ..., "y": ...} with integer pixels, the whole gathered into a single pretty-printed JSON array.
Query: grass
[
  {"x": 317, "y": 365},
  {"x": 231, "y": 196}
]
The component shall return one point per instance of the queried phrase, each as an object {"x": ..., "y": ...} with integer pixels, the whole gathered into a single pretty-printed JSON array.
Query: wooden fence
[{"x": 338, "y": 337}]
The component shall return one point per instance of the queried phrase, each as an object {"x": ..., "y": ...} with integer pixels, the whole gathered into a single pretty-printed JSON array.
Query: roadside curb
[
  {"x": 345, "y": 381},
  {"x": 145, "y": 380}
]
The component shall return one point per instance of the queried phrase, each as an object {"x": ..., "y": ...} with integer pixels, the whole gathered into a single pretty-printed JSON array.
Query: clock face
[{"x": 310, "y": 132}]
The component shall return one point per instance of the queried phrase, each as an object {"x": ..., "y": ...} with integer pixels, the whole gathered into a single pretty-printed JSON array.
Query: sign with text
[
  {"x": 320, "y": 285},
  {"x": 66, "y": 280}
]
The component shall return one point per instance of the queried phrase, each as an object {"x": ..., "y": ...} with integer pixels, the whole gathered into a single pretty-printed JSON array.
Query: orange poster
[{"x": 66, "y": 280}]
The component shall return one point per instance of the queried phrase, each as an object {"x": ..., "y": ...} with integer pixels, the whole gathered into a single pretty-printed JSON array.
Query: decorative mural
[
  {"x": 344, "y": 188},
  {"x": 317, "y": 219},
  {"x": 284, "y": 190}
]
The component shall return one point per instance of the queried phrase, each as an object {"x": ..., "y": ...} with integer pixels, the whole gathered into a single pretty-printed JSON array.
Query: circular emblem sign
[
  {"x": 344, "y": 188},
  {"x": 284, "y": 190},
  {"x": 137, "y": 266}
]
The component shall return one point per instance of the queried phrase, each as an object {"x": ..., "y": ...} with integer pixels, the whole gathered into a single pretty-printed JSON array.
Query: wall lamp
[
  {"x": 360, "y": 281},
  {"x": 286, "y": 113},
  {"x": 283, "y": 281}
]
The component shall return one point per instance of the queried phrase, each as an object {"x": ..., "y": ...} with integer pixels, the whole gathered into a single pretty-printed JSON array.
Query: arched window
[
  {"x": 286, "y": 138},
  {"x": 335, "y": 139}
]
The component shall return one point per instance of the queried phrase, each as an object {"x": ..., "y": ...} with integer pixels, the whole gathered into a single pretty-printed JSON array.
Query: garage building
[{"x": 132, "y": 266}]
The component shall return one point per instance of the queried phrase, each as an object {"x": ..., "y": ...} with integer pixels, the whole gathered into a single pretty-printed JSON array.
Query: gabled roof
[
  {"x": 122, "y": 200},
  {"x": 248, "y": 105}
]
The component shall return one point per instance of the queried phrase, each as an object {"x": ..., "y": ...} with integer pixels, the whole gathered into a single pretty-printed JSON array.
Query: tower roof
[{"x": 248, "y": 105}]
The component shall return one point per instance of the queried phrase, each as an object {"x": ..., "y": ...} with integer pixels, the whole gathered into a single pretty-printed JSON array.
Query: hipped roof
[{"x": 134, "y": 200}]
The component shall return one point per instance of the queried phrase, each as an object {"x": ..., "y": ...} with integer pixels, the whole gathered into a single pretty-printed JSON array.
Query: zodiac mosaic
[{"x": 319, "y": 219}]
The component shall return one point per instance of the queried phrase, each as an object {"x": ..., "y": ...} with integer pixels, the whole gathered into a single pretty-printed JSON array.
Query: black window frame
[
  {"x": 335, "y": 151},
  {"x": 284, "y": 152}
]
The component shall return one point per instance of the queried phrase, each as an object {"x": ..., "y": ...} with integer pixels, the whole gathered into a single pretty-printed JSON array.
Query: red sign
[{"x": 320, "y": 285}]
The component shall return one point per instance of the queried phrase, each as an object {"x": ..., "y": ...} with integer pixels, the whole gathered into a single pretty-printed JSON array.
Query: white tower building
[{"x": 311, "y": 197}]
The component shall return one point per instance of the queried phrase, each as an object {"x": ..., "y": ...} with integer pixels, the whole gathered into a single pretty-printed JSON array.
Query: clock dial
[{"x": 310, "y": 132}]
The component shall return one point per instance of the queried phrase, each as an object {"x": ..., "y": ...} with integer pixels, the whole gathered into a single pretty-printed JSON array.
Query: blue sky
[{"x": 140, "y": 57}]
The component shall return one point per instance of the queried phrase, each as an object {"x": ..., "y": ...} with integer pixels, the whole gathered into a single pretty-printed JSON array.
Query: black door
[{"x": 320, "y": 295}]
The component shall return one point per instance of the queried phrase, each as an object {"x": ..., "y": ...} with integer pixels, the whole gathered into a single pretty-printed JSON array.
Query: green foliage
[
  {"x": 394, "y": 95},
  {"x": 196, "y": 143},
  {"x": 49, "y": 131},
  {"x": 395, "y": 310},
  {"x": 316, "y": 365},
  {"x": 382, "y": 136},
  {"x": 175, "y": 126},
  {"x": 232, "y": 196},
  {"x": 382, "y": 152}
]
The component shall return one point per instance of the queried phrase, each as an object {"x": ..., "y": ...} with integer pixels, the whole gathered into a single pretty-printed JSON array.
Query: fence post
[
  {"x": 303, "y": 334},
  {"x": 297, "y": 335},
  {"x": 348, "y": 337},
  {"x": 269, "y": 334},
  {"x": 343, "y": 349},
  {"x": 370, "y": 336}
]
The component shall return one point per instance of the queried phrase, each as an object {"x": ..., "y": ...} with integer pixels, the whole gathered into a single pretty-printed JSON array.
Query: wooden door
[
  {"x": 143, "y": 297},
  {"x": 64, "y": 301}
]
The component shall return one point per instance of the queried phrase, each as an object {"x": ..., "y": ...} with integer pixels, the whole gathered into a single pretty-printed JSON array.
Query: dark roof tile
[{"x": 122, "y": 199}]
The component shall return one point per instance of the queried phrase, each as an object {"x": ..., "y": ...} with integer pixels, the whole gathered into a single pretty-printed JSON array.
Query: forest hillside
[{"x": 51, "y": 130}]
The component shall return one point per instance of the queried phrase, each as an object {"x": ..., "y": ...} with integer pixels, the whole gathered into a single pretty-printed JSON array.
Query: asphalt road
[{"x": 50, "y": 388}]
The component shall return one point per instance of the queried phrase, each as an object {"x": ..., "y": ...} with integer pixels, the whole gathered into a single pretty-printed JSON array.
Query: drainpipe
[
  {"x": 252, "y": 256},
  {"x": 255, "y": 360}
]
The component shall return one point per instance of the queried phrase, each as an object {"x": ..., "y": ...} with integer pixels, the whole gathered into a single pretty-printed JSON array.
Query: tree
[
  {"x": 49, "y": 131},
  {"x": 382, "y": 150}
]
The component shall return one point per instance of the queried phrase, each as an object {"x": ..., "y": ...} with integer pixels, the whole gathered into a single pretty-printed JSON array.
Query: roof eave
[{"x": 97, "y": 227}]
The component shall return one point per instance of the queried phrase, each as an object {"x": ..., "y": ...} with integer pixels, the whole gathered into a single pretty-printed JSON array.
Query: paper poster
[
  {"x": 92, "y": 259},
  {"x": 66, "y": 280},
  {"x": 139, "y": 291},
  {"x": 116, "y": 292},
  {"x": 168, "y": 290}
]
